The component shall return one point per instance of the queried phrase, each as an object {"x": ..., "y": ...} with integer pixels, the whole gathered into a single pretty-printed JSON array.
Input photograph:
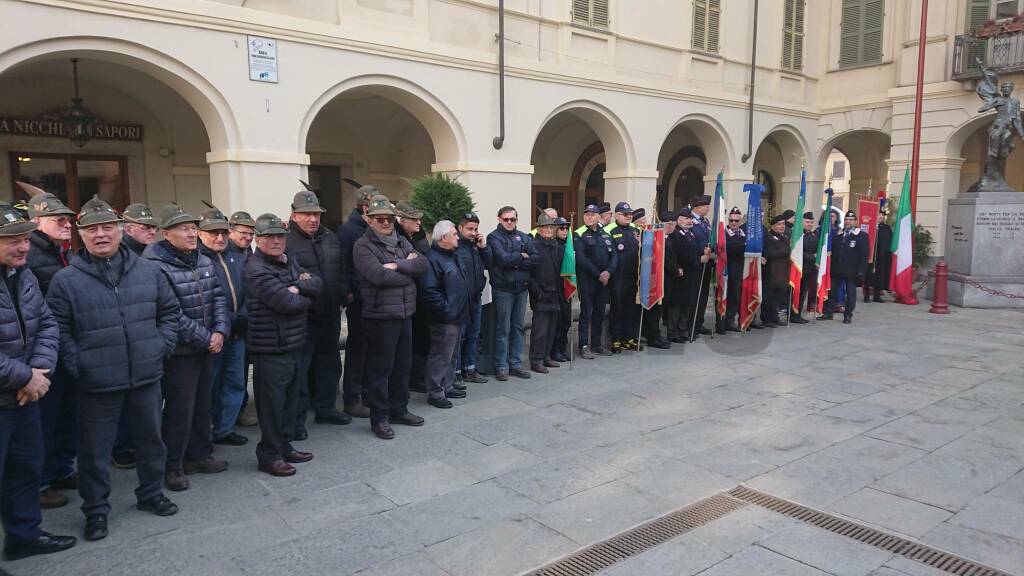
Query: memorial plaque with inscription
[{"x": 985, "y": 238}]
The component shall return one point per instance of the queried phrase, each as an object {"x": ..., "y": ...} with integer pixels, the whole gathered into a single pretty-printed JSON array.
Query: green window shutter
[
  {"x": 793, "y": 36},
  {"x": 581, "y": 12},
  {"x": 874, "y": 18},
  {"x": 599, "y": 13},
  {"x": 714, "y": 19},
  {"x": 977, "y": 14},
  {"x": 700, "y": 24},
  {"x": 849, "y": 37},
  {"x": 861, "y": 37}
]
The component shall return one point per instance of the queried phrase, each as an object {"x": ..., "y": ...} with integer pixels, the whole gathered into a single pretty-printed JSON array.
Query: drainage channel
[{"x": 597, "y": 557}]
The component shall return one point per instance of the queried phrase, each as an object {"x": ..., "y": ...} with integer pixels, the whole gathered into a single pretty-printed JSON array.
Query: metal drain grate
[
  {"x": 907, "y": 548},
  {"x": 595, "y": 558}
]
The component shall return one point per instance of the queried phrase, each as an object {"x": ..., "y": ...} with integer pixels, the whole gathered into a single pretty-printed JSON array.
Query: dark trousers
[
  {"x": 809, "y": 290},
  {"x": 440, "y": 370},
  {"x": 680, "y": 302},
  {"x": 775, "y": 298},
  {"x": 593, "y": 301},
  {"x": 123, "y": 444},
  {"x": 276, "y": 379},
  {"x": 59, "y": 418},
  {"x": 388, "y": 359},
  {"x": 845, "y": 287},
  {"x": 187, "y": 413},
  {"x": 99, "y": 415},
  {"x": 465, "y": 352},
  {"x": 561, "y": 345},
  {"x": 542, "y": 335},
  {"x": 420, "y": 344},
  {"x": 652, "y": 323},
  {"x": 21, "y": 443},
  {"x": 321, "y": 371},
  {"x": 355, "y": 350},
  {"x": 625, "y": 312}
]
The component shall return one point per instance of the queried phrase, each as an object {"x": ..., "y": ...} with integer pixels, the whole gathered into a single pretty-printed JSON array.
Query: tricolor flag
[
  {"x": 652, "y": 266},
  {"x": 902, "y": 277},
  {"x": 796, "y": 247},
  {"x": 718, "y": 245},
  {"x": 750, "y": 287},
  {"x": 824, "y": 258},
  {"x": 568, "y": 271}
]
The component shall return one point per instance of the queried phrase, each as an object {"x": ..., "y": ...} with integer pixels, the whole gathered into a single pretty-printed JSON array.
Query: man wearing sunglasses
[
  {"x": 51, "y": 252},
  {"x": 511, "y": 261}
]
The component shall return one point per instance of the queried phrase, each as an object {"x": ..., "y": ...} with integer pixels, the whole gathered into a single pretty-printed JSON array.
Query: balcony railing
[{"x": 1004, "y": 52}]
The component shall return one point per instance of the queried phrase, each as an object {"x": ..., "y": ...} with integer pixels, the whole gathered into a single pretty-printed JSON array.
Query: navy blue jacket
[
  {"x": 46, "y": 258},
  {"x": 445, "y": 287},
  {"x": 702, "y": 232},
  {"x": 229, "y": 265},
  {"x": 347, "y": 234},
  {"x": 117, "y": 322},
  {"x": 626, "y": 244},
  {"x": 510, "y": 272},
  {"x": 595, "y": 253},
  {"x": 26, "y": 344},
  {"x": 850, "y": 253},
  {"x": 203, "y": 310},
  {"x": 277, "y": 317},
  {"x": 473, "y": 261}
]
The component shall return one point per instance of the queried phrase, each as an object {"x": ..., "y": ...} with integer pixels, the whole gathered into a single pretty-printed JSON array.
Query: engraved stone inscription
[{"x": 1000, "y": 224}]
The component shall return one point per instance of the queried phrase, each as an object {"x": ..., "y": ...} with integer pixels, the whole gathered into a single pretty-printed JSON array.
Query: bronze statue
[{"x": 1000, "y": 133}]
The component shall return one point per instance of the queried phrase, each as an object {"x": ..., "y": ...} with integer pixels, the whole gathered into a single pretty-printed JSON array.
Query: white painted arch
[{"x": 620, "y": 154}]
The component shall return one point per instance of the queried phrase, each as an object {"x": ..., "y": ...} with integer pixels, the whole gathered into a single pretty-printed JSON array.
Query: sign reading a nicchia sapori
[
  {"x": 262, "y": 59},
  {"x": 52, "y": 125}
]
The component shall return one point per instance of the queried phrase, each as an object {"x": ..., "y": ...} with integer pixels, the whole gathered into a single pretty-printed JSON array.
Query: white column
[
  {"x": 256, "y": 181},
  {"x": 494, "y": 186},
  {"x": 638, "y": 187}
]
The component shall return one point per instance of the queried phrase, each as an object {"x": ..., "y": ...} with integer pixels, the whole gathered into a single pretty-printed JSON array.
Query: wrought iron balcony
[{"x": 1004, "y": 52}]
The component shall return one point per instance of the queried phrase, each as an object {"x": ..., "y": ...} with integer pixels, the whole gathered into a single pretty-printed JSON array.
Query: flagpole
[
  {"x": 693, "y": 327},
  {"x": 572, "y": 348}
]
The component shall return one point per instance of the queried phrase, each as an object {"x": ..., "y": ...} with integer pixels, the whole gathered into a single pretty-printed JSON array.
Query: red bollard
[{"x": 940, "y": 301}]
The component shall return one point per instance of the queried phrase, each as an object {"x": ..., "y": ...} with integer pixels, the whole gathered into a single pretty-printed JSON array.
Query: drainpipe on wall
[
  {"x": 753, "y": 81},
  {"x": 499, "y": 140}
]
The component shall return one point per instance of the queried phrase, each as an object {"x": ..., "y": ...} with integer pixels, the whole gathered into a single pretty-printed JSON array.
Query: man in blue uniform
[
  {"x": 625, "y": 311},
  {"x": 849, "y": 263},
  {"x": 596, "y": 262},
  {"x": 702, "y": 233}
]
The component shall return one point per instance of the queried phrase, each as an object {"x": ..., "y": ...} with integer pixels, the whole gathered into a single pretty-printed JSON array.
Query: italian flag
[
  {"x": 902, "y": 278},
  {"x": 568, "y": 271},
  {"x": 718, "y": 246},
  {"x": 824, "y": 259},
  {"x": 796, "y": 247}
]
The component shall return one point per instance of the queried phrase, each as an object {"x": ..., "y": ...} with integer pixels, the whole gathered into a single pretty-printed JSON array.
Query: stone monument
[{"x": 985, "y": 225}]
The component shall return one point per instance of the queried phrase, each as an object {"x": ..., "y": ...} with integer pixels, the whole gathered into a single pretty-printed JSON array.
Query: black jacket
[
  {"x": 595, "y": 253},
  {"x": 348, "y": 234},
  {"x": 321, "y": 255},
  {"x": 810, "y": 252},
  {"x": 419, "y": 240},
  {"x": 509, "y": 270},
  {"x": 473, "y": 261},
  {"x": 545, "y": 278},
  {"x": 135, "y": 246},
  {"x": 203, "y": 310},
  {"x": 387, "y": 294},
  {"x": 686, "y": 252},
  {"x": 445, "y": 287},
  {"x": 277, "y": 317},
  {"x": 776, "y": 252},
  {"x": 28, "y": 340},
  {"x": 229, "y": 265},
  {"x": 735, "y": 247},
  {"x": 850, "y": 253},
  {"x": 46, "y": 258},
  {"x": 627, "y": 245},
  {"x": 118, "y": 320}
]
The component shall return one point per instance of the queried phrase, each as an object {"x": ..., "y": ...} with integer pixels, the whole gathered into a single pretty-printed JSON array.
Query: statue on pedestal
[{"x": 1000, "y": 133}]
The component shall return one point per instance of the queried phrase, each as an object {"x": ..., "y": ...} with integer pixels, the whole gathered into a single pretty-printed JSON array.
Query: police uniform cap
[
  {"x": 704, "y": 200},
  {"x": 171, "y": 215},
  {"x": 604, "y": 208},
  {"x": 560, "y": 221},
  {"x": 685, "y": 212},
  {"x": 46, "y": 204},
  {"x": 96, "y": 211},
  {"x": 213, "y": 219},
  {"x": 380, "y": 206},
  {"x": 139, "y": 213},
  {"x": 778, "y": 218},
  {"x": 306, "y": 201},
  {"x": 241, "y": 218},
  {"x": 12, "y": 222},
  {"x": 404, "y": 209},
  {"x": 592, "y": 208},
  {"x": 735, "y": 211},
  {"x": 667, "y": 216},
  {"x": 639, "y": 213},
  {"x": 851, "y": 214},
  {"x": 269, "y": 225},
  {"x": 623, "y": 208}
]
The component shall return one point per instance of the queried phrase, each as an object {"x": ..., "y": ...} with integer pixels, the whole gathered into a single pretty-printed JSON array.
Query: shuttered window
[
  {"x": 706, "y": 17},
  {"x": 861, "y": 38},
  {"x": 793, "y": 36},
  {"x": 593, "y": 13},
  {"x": 977, "y": 14}
]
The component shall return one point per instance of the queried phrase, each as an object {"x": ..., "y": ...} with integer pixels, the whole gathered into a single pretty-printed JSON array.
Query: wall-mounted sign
[
  {"x": 51, "y": 125},
  {"x": 262, "y": 59}
]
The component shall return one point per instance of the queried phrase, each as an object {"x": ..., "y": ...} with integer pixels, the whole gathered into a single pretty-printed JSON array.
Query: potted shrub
[{"x": 440, "y": 198}]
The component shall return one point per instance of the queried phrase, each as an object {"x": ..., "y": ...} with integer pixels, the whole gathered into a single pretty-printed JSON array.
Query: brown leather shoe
[
  {"x": 50, "y": 498},
  {"x": 383, "y": 431},
  {"x": 296, "y": 457},
  {"x": 551, "y": 364},
  {"x": 175, "y": 480},
  {"x": 277, "y": 468},
  {"x": 357, "y": 410},
  {"x": 407, "y": 419},
  {"x": 538, "y": 368},
  {"x": 206, "y": 466}
]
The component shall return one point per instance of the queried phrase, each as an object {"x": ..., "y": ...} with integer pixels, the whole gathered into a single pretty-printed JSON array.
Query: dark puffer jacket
[
  {"x": 473, "y": 261},
  {"x": 509, "y": 270},
  {"x": 46, "y": 258},
  {"x": 387, "y": 294},
  {"x": 203, "y": 310},
  {"x": 118, "y": 321},
  {"x": 348, "y": 233},
  {"x": 444, "y": 288},
  {"x": 321, "y": 256},
  {"x": 545, "y": 278},
  {"x": 30, "y": 343},
  {"x": 230, "y": 268},
  {"x": 277, "y": 317}
]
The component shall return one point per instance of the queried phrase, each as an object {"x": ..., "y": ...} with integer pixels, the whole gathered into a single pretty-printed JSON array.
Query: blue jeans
[
  {"x": 509, "y": 316},
  {"x": 465, "y": 352},
  {"x": 21, "y": 443},
  {"x": 228, "y": 387}
]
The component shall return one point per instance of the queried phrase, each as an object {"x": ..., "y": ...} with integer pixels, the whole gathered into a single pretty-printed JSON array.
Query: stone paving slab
[
  {"x": 826, "y": 551},
  {"x": 891, "y": 513}
]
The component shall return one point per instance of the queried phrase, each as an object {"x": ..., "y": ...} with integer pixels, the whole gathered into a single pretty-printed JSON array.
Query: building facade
[{"x": 639, "y": 100}]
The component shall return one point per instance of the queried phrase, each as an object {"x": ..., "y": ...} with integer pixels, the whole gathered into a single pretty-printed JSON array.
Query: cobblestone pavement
[{"x": 904, "y": 420}]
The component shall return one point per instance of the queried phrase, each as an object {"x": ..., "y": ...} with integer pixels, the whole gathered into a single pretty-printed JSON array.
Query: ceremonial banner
[
  {"x": 568, "y": 271},
  {"x": 652, "y": 266},
  {"x": 868, "y": 211},
  {"x": 902, "y": 277},
  {"x": 718, "y": 247},
  {"x": 824, "y": 258},
  {"x": 750, "y": 288},
  {"x": 796, "y": 247}
]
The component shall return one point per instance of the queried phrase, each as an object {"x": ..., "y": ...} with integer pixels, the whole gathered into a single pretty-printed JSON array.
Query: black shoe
[
  {"x": 456, "y": 394},
  {"x": 677, "y": 340},
  {"x": 877, "y": 299},
  {"x": 297, "y": 457},
  {"x": 333, "y": 417},
  {"x": 417, "y": 387},
  {"x": 770, "y": 324},
  {"x": 502, "y": 375},
  {"x": 96, "y": 527},
  {"x": 232, "y": 439},
  {"x": 827, "y": 316},
  {"x": 519, "y": 373},
  {"x": 552, "y": 363},
  {"x": 124, "y": 460},
  {"x": 659, "y": 343},
  {"x": 847, "y": 320},
  {"x": 474, "y": 377},
  {"x": 440, "y": 402},
  {"x": 459, "y": 384},
  {"x": 559, "y": 357},
  {"x": 69, "y": 482},
  {"x": 300, "y": 434},
  {"x": 160, "y": 505},
  {"x": 720, "y": 329},
  {"x": 46, "y": 544},
  {"x": 756, "y": 326},
  {"x": 704, "y": 331}
]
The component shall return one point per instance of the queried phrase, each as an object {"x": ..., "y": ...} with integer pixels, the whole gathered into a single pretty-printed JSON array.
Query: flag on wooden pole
[
  {"x": 718, "y": 247},
  {"x": 568, "y": 271},
  {"x": 652, "y": 266},
  {"x": 902, "y": 277},
  {"x": 824, "y": 257},
  {"x": 750, "y": 287},
  {"x": 796, "y": 247}
]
